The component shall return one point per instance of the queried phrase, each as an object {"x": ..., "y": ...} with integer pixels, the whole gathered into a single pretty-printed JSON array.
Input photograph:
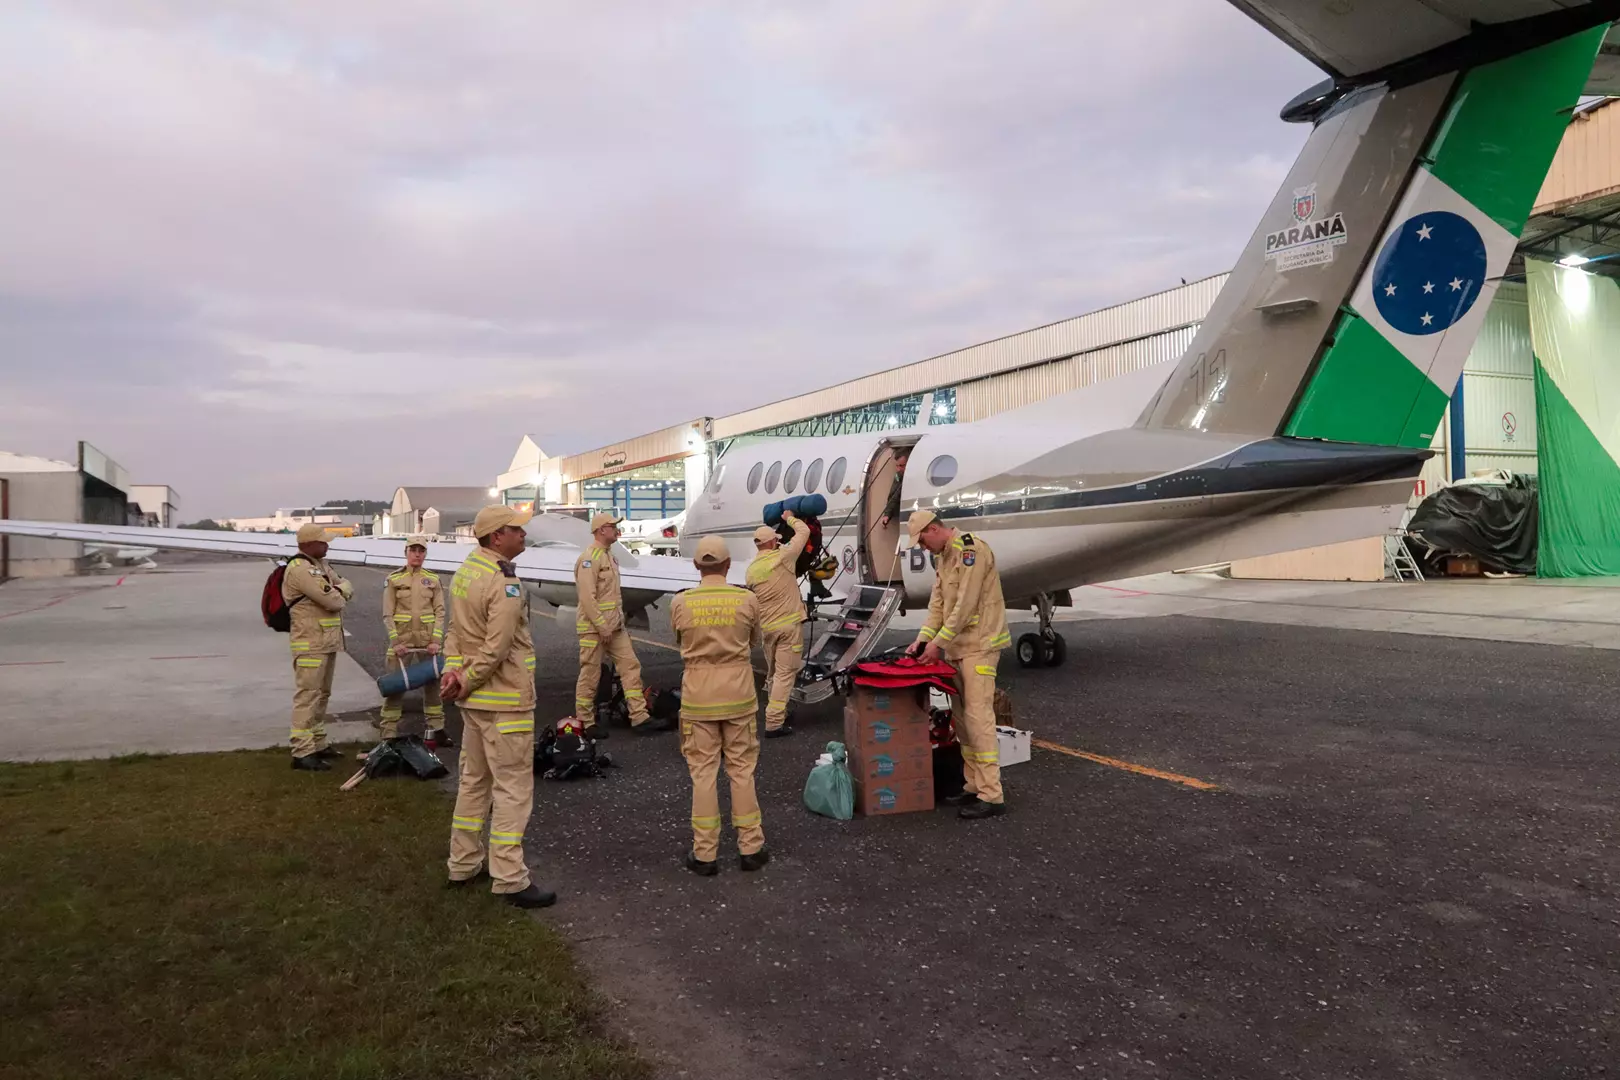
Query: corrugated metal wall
[
  {"x": 680, "y": 440},
  {"x": 1588, "y": 159},
  {"x": 987, "y": 397},
  {"x": 1178, "y": 307},
  {"x": 1499, "y": 388}
]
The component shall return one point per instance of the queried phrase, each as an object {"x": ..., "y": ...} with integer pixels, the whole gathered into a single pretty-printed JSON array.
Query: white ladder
[{"x": 1398, "y": 560}]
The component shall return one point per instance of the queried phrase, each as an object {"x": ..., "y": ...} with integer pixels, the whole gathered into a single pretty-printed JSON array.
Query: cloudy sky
[{"x": 274, "y": 252}]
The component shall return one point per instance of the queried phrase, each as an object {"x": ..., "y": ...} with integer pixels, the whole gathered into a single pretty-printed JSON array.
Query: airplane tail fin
[{"x": 1353, "y": 309}]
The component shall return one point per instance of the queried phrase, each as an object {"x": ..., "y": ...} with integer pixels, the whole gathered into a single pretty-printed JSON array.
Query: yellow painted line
[{"x": 1115, "y": 763}]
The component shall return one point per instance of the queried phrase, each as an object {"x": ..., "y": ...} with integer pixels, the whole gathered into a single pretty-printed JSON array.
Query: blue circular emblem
[{"x": 1429, "y": 273}]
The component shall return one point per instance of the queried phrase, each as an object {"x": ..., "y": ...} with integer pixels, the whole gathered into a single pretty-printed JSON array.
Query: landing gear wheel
[
  {"x": 1053, "y": 651},
  {"x": 1031, "y": 651}
]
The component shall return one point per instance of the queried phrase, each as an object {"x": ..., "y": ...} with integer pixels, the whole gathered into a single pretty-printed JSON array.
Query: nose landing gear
[{"x": 1044, "y": 649}]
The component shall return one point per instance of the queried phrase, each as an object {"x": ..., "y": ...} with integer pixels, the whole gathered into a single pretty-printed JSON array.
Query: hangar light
[{"x": 1573, "y": 260}]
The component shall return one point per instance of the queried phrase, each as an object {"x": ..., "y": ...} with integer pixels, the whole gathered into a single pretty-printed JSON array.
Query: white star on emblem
[
  {"x": 1456, "y": 284},
  {"x": 1427, "y": 318},
  {"x": 1423, "y": 233},
  {"x": 1428, "y": 286},
  {"x": 1389, "y": 290}
]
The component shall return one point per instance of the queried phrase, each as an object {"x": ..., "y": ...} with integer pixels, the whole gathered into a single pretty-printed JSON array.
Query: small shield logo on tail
[{"x": 1305, "y": 203}]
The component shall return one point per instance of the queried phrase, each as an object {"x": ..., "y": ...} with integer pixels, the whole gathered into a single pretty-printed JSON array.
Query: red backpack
[{"x": 273, "y": 606}]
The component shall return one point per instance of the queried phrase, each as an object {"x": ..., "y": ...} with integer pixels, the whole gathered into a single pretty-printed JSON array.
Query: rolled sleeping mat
[
  {"x": 416, "y": 675},
  {"x": 805, "y": 506}
]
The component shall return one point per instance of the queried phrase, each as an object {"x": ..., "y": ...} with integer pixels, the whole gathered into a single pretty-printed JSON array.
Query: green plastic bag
[{"x": 830, "y": 790}]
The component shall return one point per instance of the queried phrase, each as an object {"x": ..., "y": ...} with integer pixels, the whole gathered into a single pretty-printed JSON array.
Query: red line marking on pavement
[
  {"x": 199, "y": 656},
  {"x": 1125, "y": 592},
  {"x": 29, "y": 663},
  {"x": 59, "y": 599}
]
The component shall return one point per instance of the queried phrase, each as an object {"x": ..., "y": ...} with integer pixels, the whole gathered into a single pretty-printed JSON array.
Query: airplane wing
[
  {"x": 1351, "y": 39},
  {"x": 551, "y": 562}
]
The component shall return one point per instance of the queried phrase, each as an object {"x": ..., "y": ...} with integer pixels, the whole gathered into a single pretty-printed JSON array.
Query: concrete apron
[{"x": 156, "y": 661}]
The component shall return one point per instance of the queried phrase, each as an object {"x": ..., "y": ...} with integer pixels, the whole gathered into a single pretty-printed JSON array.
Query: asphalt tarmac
[{"x": 1408, "y": 868}]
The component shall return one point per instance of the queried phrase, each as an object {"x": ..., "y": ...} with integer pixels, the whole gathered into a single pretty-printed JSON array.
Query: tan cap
[
  {"x": 920, "y": 521},
  {"x": 417, "y": 541},
  {"x": 308, "y": 534},
  {"x": 491, "y": 518},
  {"x": 712, "y": 551},
  {"x": 764, "y": 534},
  {"x": 601, "y": 521}
]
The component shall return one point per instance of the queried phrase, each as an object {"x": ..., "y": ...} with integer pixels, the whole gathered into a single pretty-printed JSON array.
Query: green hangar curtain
[{"x": 1575, "y": 330}]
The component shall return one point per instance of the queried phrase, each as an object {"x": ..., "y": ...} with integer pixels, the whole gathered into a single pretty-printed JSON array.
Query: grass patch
[{"x": 221, "y": 917}]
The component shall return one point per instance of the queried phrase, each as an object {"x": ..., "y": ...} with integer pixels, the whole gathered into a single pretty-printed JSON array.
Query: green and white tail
[{"x": 1354, "y": 307}]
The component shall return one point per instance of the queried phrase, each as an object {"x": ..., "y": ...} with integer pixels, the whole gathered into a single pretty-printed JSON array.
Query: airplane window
[
  {"x": 812, "y": 476},
  {"x": 790, "y": 482},
  {"x": 835, "y": 476},
  {"x": 754, "y": 475},
  {"x": 772, "y": 477},
  {"x": 719, "y": 478},
  {"x": 942, "y": 470}
]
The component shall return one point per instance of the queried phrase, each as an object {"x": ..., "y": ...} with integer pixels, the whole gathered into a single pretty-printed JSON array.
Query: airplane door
[{"x": 882, "y": 541}]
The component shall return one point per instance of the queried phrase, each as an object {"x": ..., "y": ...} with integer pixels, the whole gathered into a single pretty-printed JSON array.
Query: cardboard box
[
  {"x": 883, "y": 720},
  {"x": 881, "y": 765},
  {"x": 894, "y": 797},
  {"x": 1012, "y": 746}
]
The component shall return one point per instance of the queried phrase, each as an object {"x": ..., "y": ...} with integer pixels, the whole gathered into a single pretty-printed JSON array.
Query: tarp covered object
[
  {"x": 1575, "y": 330},
  {"x": 1495, "y": 523}
]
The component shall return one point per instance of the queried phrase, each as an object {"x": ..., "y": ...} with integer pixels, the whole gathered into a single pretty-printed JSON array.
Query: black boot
[
  {"x": 462, "y": 883},
  {"x": 532, "y": 897},
  {"x": 596, "y": 732},
  {"x": 651, "y": 726},
  {"x": 701, "y": 868},
  {"x": 961, "y": 798},
  {"x": 756, "y": 861},
  {"x": 778, "y": 733},
  {"x": 976, "y": 809},
  {"x": 312, "y": 763},
  {"x": 328, "y": 752}
]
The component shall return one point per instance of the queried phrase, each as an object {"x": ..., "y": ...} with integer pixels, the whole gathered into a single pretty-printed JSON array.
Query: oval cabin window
[
  {"x": 753, "y": 476},
  {"x": 772, "y": 477},
  {"x": 942, "y": 470},
  {"x": 790, "y": 483},
  {"x": 835, "y": 476},
  {"x": 812, "y": 476}
]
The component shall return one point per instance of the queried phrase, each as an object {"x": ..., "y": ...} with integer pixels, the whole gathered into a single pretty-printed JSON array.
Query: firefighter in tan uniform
[
  {"x": 316, "y": 596},
  {"x": 714, "y": 625},
  {"x": 967, "y": 620},
  {"x": 413, "y": 615},
  {"x": 781, "y": 614},
  {"x": 602, "y": 631},
  {"x": 489, "y": 669}
]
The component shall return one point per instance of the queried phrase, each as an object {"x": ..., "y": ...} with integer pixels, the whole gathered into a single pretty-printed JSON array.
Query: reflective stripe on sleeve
[{"x": 985, "y": 669}]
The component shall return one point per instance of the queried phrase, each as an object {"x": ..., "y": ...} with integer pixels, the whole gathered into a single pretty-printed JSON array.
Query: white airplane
[
  {"x": 646, "y": 536},
  {"x": 107, "y": 554},
  {"x": 1304, "y": 408}
]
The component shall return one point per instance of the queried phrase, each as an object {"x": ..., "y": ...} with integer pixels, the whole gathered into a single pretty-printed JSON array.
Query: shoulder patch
[
  {"x": 967, "y": 557},
  {"x": 514, "y": 591},
  {"x": 586, "y": 564}
]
